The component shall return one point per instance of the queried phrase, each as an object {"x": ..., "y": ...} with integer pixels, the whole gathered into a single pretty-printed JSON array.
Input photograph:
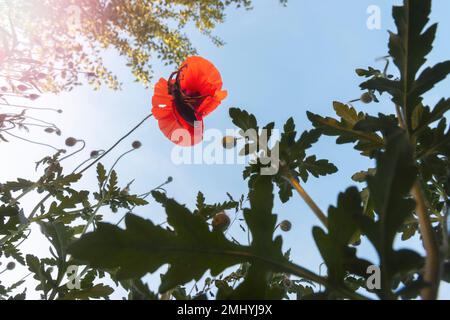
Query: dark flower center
[{"x": 185, "y": 104}]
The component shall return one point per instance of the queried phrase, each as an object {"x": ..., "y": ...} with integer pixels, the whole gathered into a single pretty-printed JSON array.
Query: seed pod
[
  {"x": 366, "y": 98},
  {"x": 94, "y": 154},
  {"x": 70, "y": 142},
  {"x": 229, "y": 142},
  {"x": 22, "y": 87},
  {"x": 136, "y": 144},
  {"x": 221, "y": 222},
  {"x": 285, "y": 225},
  {"x": 11, "y": 265}
]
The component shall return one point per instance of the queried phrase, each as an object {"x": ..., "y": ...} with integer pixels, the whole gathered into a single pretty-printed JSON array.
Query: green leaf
[
  {"x": 409, "y": 48},
  {"x": 389, "y": 191},
  {"x": 138, "y": 290},
  {"x": 348, "y": 114},
  {"x": 144, "y": 247},
  {"x": 59, "y": 236},
  {"x": 8, "y": 211},
  {"x": 96, "y": 292},
  {"x": 113, "y": 182},
  {"x": 207, "y": 211},
  {"x": 316, "y": 167},
  {"x": 101, "y": 174},
  {"x": 260, "y": 220},
  {"x": 334, "y": 246},
  {"x": 366, "y": 142},
  {"x": 430, "y": 77},
  {"x": 191, "y": 249},
  {"x": 37, "y": 267},
  {"x": 242, "y": 119}
]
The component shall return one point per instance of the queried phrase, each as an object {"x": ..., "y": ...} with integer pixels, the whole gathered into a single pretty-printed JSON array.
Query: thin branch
[{"x": 306, "y": 197}]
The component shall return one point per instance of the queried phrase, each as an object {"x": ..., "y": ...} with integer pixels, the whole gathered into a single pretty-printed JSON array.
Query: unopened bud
[
  {"x": 229, "y": 142},
  {"x": 70, "y": 142},
  {"x": 136, "y": 144},
  {"x": 366, "y": 98},
  {"x": 221, "y": 222},
  {"x": 94, "y": 154},
  {"x": 285, "y": 225},
  {"x": 11, "y": 265},
  {"x": 33, "y": 96}
]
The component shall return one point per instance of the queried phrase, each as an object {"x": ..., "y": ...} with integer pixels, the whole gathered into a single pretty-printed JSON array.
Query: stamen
[{"x": 186, "y": 105}]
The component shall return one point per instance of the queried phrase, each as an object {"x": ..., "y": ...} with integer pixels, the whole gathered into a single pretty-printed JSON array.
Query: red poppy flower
[{"x": 181, "y": 102}]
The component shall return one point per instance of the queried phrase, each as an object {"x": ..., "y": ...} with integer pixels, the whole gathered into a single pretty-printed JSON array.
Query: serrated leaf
[
  {"x": 409, "y": 48},
  {"x": 366, "y": 142},
  {"x": 101, "y": 174},
  {"x": 242, "y": 119},
  {"x": 190, "y": 250},
  {"x": 389, "y": 191},
  {"x": 316, "y": 167},
  {"x": 334, "y": 245},
  {"x": 96, "y": 292}
]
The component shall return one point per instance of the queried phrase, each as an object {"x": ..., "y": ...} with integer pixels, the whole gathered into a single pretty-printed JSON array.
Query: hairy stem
[
  {"x": 432, "y": 272},
  {"x": 116, "y": 144},
  {"x": 306, "y": 197},
  {"x": 432, "y": 262}
]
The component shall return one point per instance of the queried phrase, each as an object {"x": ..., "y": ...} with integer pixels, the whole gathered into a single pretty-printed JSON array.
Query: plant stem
[
  {"x": 36, "y": 208},
  {"x": 432, "y": 264},
  {"x": 306, "y": 197},
  {"x": 117, "y": 143},
  {"x": 432, "y": 272}
]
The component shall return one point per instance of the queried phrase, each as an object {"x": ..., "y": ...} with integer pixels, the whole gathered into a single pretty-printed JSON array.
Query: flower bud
[
  {"x": 22, "y": 87},
  {"x": 220, "y": 222},
  {"x": 285, "y": 225},
  {"x": 70, "y": 142},
  {"x": 136, "y": 144},
  {"x": 366, "y": 98},
  {"x": 11, "y": 265},
  {"x": 94, "y": 154},
  {"x": 33, "y": 96},
  {"x": 229, "y": 142}
]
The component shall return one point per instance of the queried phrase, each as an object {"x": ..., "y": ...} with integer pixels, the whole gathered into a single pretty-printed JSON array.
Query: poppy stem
[
  {"x": 307, "y": 198},
  {"x": 116, "y": 144},
  {"x": 432, "y": 269}
]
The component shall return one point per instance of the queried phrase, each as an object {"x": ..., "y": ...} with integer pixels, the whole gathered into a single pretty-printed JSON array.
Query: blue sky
[{"x": 277, "y": 62}]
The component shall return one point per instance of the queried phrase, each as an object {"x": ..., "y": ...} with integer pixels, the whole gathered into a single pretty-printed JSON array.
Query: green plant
[{"x": 407, "y": 192}]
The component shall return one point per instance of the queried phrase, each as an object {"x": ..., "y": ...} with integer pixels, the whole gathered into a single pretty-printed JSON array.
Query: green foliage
[
  {"x": 63, "y": 42},
  {"x": 411, "y": 148},
  {"x": 409, "y": 48},
  {"x": 291, "y": 151},
  {"x": 207, "y": 211},
  {"x": 191, "y": 248},
  {"x": 345, "y": 130}
]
